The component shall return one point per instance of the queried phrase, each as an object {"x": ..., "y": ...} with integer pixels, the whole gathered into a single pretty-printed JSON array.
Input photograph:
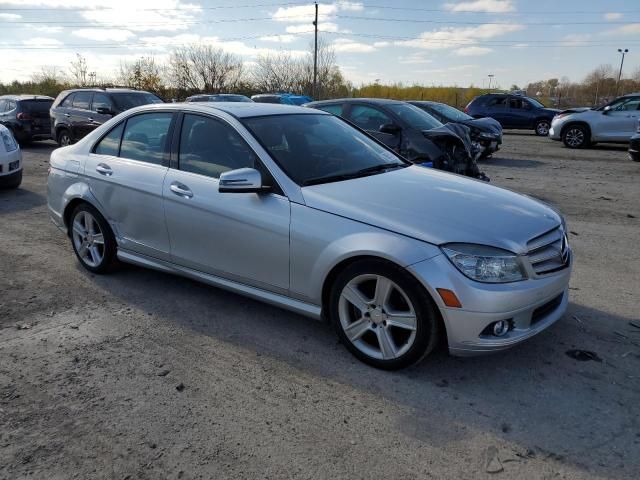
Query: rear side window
[
  {"x": 210, "y": 147},
  {"x": 145, "y": 137},
  {"x": 334, "y": 109},
  {"x": 497, "y": 102},
  {"x": 11, "y": 105},
  {"x": 101, "y": 100},
  {"x": 125, "y": 101},
  {"x": 110, "y": 143},
  {"x": 82, "y": 100}
]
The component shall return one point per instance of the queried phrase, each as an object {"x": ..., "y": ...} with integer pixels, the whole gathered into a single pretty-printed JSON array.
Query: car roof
[
  {"x": 425, "y": 102},
  {"x": 108, "y": 90},
  {"x": 24, "y": 96},
  {"x": 236, "y": 109},
  {"x": 375, "y": 101}
]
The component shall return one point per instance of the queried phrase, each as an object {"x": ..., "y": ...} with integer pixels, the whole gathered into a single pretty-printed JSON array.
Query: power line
[{"x": 447, "y": 22}]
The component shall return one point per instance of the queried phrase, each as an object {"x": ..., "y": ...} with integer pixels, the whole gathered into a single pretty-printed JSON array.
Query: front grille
[
  {"x": 549, "y": 252},
  {"x": 544, "y": 310}
]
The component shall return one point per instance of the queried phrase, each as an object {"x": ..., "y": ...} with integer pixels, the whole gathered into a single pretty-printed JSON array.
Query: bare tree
[
  {"x": 79, "y": 71},
  {"x": 204, "y": 68},
  {"x": 48, "y": 74},
  {"x": 143, "y": 74}
]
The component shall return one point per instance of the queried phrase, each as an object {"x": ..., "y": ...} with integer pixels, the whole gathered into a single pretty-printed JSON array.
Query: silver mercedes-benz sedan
[{"x": 295, "y": 207}]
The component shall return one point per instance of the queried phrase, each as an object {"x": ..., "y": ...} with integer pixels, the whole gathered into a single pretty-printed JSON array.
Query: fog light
[{"x": 500, "y": 328}]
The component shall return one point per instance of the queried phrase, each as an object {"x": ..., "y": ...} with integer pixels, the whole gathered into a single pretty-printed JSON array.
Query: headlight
[
  {"x": 483, "y": 263},
  {"x": 9, "y": 142},
  {"x": 486, "y": 135}
]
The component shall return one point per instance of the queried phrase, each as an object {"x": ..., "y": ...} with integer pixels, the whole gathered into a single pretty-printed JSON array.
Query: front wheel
[
  {"x": 92, "y": 239},
  {"x": 383, "y": 315},
  {"x": 542, "y": 128},
  {"x": 575, "y": 136}
]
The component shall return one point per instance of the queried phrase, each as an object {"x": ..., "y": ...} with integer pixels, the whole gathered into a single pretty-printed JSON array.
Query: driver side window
[
  {"x": 210, "y": 147},
  {"x": 631, "y": 104},
  {"x": 368, "y": 118}
]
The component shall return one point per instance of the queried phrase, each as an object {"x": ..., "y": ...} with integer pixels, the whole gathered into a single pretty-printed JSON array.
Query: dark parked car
[
  {"x": 218, "y": 97},
  {"x": 282, "y": 98},
  {"x": 486, "y": 132},
  {"x": 513, "y": 111},
  {"x": 634, "y": 145},
  {"x": 409, "y": 131},
  {"x": 77, "y": 112},
  {"x": 27, "y": 116}
]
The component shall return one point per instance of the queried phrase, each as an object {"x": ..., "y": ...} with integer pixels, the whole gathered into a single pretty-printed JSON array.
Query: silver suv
[
  {"x": 582, "y": 127},
  {"x": 295, "y": 207}
]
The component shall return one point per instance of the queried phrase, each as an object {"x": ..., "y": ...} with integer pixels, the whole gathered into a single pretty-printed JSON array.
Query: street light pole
[
  {"x": 490, "y": 77},
  {"x": 623, "y": 52}
]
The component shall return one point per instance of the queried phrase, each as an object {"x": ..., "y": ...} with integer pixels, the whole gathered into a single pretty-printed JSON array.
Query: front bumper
[
  {"x": 555, "y": 132},
  {"x": 530, "y": 306},
  {"x": 634, "y": 148}
]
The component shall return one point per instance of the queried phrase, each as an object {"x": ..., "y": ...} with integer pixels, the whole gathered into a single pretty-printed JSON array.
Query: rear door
[
  {"x": 518, "y": 114},
  {"x": 80, "y": 115},
  {"x": 101, "y": 101},
  {"x": 496, "y": 108},
  {"x": 370, "y": 119},
  {"x": 619, "y": 124},
  {"x": 126, "y": 170}
]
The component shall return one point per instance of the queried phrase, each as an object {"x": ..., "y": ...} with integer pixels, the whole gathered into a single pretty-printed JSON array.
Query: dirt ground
[{"x": 142, "y": 375}]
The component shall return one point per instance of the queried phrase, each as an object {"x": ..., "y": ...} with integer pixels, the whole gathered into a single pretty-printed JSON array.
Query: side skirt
[{"x": 302, "y": 308}]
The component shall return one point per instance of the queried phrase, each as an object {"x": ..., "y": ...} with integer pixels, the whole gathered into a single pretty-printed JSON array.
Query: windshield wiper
[{"x": 359, "y": 173}]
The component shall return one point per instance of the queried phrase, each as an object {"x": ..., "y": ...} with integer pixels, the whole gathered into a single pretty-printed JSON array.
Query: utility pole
[
  {"x": 490, "y": 77},
  {"x": 623, "y": 52},
  {"x": 315, "y": 56}
]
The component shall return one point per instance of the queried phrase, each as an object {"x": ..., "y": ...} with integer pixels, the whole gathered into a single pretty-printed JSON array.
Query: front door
[
  {"x": 496, "y": 108},
  {"x": 239, "y": 236},
  {"x": 126, "y": 171},
  {"x": 620, "y": 122},
  {"x": 518, "y": 113}
]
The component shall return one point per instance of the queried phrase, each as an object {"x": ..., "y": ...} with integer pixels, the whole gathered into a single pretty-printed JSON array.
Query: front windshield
[
  {"x": 320, "y": 148},
  {"x": 125, "y": 101},
  {"x": 452, "y": 114},
  {"x": 535, "y": 102},
  {"x": 414, "y": 116}
]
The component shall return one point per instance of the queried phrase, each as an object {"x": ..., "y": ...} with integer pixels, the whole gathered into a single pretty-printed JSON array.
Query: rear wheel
[
  {"x": 92, "y": 239},
  {"x": 383, "y": 315},
  {"x": 575, "y": 136},
  {"x": 542, "y": 128},
  {"x": 64, "y": 138}
]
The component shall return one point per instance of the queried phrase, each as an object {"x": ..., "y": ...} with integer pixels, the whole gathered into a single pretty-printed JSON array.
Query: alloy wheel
[
  {"x": 574, "y": 137},
  {"x": 88, "y": 239},
  {"x": 543, "y": 128},
  {"x": 65, "y": 140},
  {"x": 377, "y": 317}
]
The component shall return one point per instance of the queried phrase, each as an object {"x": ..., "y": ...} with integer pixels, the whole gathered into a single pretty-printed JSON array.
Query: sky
[{"x": 429, "y": 42}]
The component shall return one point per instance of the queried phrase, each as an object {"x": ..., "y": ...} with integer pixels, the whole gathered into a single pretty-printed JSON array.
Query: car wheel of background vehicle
[
  {"x": 92, "y": 239},
  {"x": 383, "y": 315},
  {"x": 575, "y": 136},
  {"x": 64, "y": 138},
  {"x": 15, "y": 183},
  {"x": 542, "y": 128}
]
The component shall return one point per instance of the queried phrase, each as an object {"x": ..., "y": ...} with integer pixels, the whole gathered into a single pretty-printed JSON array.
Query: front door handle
[
  {"x": 181, "y": 190},
  {"x": 104, "y": 169}
]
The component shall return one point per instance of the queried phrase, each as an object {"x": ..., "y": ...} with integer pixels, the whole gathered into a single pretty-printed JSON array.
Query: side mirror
[
  {"x": 242, "y": 180},
  {"x": 606, "y": 109},
  {"x": 390, "y": 128},
  {"x": 104, "y": 111}
]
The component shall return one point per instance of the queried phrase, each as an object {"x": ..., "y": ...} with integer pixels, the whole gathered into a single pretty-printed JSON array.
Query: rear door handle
[
  {"x": 67, "y": 115},
  {"x": 181, "y": 190},
  {"x": 104, "y": 169}
]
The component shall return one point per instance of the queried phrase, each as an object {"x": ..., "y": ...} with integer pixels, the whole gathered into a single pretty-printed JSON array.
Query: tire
[
  {"x": 575, "y": 136},
  {"x": 64, "y": 137},
  {"x": 87, "y": 229},
  {"x": 542, "y": 127},
  {"x": 404, "y": 320}
]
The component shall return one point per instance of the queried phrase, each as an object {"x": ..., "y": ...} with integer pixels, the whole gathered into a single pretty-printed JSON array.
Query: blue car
[
  {"x": 513, "y": 111},
  {"x": 282, "y": 98}
]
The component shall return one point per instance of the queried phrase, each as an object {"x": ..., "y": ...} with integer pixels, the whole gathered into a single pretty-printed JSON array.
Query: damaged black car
[
  {"x": 411, "y": 132},
  {"x": 486, "y": 133}
]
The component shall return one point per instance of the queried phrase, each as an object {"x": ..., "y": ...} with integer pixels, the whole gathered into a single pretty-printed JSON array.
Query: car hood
[
  {"x": 486, "y": 125},
  {"x": 437, "y": 207}
]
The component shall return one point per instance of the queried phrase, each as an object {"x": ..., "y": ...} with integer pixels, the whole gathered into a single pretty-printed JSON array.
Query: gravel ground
[{"x": 142, "y": 375}]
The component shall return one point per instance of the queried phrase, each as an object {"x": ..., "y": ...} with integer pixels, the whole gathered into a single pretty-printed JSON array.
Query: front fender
[{"x": 320, "y": 241}]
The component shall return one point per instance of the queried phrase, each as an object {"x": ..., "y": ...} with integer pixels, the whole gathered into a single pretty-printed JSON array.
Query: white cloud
[
  {"x": 414, "y": 59},
  {"x": 45, "y": 29},
  {"x": 496, "y": 6},
  {"x": 612, "y": 16},
  {"x": 278, "y": 38},
  {"x": 300, "y": 13},
  {"x": 472, "y": 51},
  {"x": 520, "y": 45},
  {"x": 104, "y": 34},
  {"x": 575, "y": 39},
  {"x": 449, "y": 37},
  {"x": 630, "y": 29},
  {"x": 346, "y": 45},
  {"x": 42, "y": 42},
  {"x": 381, "y": 44},
  {"x": 10, "y": 16},
  {"x": 304, "y": 28}
]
